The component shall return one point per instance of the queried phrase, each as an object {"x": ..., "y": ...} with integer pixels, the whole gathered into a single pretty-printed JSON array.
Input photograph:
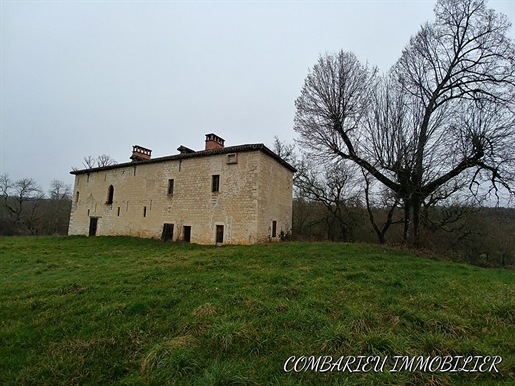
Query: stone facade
[{"x": 249, "y": 202}]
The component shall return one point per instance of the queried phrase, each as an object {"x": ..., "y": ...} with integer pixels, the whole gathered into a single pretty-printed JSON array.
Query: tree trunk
[
  {"x": 407, "y": 219},
  {"x": 412, "y": 221}
]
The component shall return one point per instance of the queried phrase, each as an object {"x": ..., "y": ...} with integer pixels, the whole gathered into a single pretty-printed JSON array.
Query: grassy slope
[{"x": 129, "y": 311}]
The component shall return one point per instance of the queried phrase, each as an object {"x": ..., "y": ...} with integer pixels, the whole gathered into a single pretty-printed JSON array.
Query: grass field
[{"x": 116, "y": 310}]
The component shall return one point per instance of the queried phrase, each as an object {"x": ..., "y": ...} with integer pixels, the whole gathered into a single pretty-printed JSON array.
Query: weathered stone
[{"x": 255, "y": 190}]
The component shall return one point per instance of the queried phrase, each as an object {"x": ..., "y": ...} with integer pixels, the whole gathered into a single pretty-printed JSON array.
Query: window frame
[{"x": 232, "y": 158}]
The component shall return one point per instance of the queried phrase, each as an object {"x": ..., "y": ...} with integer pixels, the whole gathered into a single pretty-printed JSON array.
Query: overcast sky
[{"x": 83, "y": 78}]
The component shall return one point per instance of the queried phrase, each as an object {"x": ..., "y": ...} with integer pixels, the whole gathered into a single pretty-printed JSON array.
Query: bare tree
[
  {"x": 105, "y": 160},
  {"x": 32, "y": 213},
  {"x": 445, "y": 111},
  {"x": 6, "y": 225},
  {"x": 15, "y": 195},
  {"x": 101, "y": 161},
  {"x": 387, "y": 202},
  {"x": 89, "y": 162},
  {"x": 284, "y": 150},
  {"x": 59, "y": 190},
  {"x": 5, "y": 187},
  {"x": 60, "y": 197},
  {"x": 334, "y": 186}
]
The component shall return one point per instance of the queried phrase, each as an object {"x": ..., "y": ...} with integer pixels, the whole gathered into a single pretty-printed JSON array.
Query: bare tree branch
[{"x": 445, "y": 111}]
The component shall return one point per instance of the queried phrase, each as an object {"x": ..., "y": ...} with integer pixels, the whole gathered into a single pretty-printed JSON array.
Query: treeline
[
  {"x": 338, "y": 202},
  {"x": 332, "y": 206},
  {"x": 420, "y": 150},
  {"x": 423, "y": 147},
  {"x": 481, "y": 236},
  {"x": 27, "y": 210}
]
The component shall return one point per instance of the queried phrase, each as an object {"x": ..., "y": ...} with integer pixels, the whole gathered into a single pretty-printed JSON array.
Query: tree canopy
[{"x": 441, "y": 120}]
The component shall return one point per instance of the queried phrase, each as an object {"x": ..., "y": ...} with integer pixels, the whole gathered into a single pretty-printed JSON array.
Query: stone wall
[
  {"x": 275, "y": 199},
  {"x": 253, "y": 191}
]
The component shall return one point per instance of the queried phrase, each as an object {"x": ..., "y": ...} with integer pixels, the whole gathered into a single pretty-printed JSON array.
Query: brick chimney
[
  {"x": 213, "y": 141},
  {"x": 140, "y": 153}
]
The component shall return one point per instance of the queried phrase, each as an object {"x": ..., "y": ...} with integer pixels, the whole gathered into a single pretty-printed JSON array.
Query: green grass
[{"x": 118, "y": 310}]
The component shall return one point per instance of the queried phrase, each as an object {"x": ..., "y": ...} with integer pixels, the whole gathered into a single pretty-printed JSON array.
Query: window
[
  {"x": 118, "y": 211},
  {"x": 216, "y": 183},
  {"x": 110, "y": 195},
  {"x": 170, "y": 186},
  {"x": 144, "y": 211},
  {"x": 232, "y": 158},
  {"x": 77, "y": 197},
  {"x": 274, "y": 228}
]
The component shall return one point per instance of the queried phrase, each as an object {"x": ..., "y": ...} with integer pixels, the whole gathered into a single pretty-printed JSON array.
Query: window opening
[
  {"x": 110, "y": 195},
  {"x": 216, "y": 183}
]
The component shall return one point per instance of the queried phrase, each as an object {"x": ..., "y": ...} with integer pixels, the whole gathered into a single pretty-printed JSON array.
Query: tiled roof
[{"x": 201, "y": 153}]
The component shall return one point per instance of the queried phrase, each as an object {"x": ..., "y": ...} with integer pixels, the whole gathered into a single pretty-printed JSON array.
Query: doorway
[
  {"x": 93, "y": 223},
  {"x": 167, "y": 232},
  {"x": 219, "y": 234},
  {"x": 187, "y": 234}
]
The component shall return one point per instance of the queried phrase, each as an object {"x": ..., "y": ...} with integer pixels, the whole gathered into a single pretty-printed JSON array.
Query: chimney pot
[
  {"x": 213, "y": 141},
  {"x": 140, "y": 153}
]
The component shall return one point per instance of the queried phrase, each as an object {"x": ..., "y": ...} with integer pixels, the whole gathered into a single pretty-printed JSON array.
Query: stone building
[{"x": 219, "y": 195}]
